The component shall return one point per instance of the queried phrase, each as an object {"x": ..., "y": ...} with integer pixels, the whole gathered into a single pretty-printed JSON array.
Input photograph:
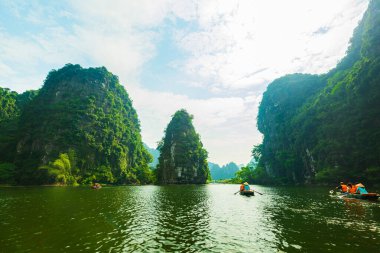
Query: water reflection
[
  {"x": 182, "y": 215},
  {"x": 309, "y": 220},
  {"x": 239, "y": 223},
  {"x": 354, "y": 207},
  {"x": 185, "y": 219},
  {"x": 133, "y": 221}
]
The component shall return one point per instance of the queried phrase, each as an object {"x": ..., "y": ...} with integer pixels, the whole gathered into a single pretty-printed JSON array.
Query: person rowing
[
  {"x": 360, "y": 189},
  {"x": 242, "y": 187},
  {"x": 342, "y": 187},
  {"x": 351, "y": 188},
  {"x": 246, "y": 190}
]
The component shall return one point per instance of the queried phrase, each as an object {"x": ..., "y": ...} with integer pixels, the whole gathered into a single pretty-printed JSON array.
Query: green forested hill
[
  {"x": 327, "y": 127},
  {"x": 81, "y": 127},
  {"x": 182, "y": 156}
]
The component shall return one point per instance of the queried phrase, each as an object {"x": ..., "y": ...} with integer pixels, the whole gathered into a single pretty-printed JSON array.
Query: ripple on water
[{"x": 184, "y": 219}]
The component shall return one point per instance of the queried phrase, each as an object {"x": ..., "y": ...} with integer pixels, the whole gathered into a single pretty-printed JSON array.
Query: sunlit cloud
[
  {"x": 240, "y": 44},
  {"x": 225, "y": 54},
  {"x": 226, "y": 125}
]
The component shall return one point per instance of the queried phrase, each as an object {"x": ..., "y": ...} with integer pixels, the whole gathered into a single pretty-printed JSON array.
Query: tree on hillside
[{"x": 182, "y": 156}]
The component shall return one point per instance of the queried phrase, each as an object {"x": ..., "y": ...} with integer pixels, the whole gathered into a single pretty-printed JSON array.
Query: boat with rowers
[
  {"x": 96, "y": 186},
  {"x": 245, "y": 190},
  {"x": 247, "y": 193},
  {"x": 351, "y": 191}
]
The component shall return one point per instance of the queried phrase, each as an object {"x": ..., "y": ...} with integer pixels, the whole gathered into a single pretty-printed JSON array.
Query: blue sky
[{"x": 215, "y": 58}]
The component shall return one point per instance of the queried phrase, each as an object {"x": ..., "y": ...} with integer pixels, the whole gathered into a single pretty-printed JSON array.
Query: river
[{"x": 185, "y": 218}]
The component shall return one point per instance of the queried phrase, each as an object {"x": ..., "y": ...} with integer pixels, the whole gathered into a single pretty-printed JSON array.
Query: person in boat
[
  {"x": 242, "y": 187},
  {"x": 342, "y": 187},
  {"x": 360, "y": 189},
  {"x": 351, "y": 188},
  {"x": 96, "y": 186},
  {"x": 246, "y": 187}
]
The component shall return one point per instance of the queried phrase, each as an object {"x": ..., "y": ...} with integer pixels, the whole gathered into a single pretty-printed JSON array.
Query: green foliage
[
  {"x": 329, "y": 175},
  {"x": 8, "y": 104},
  {"x": 233, "y": 180},
  {"x": 61, "y": 170},
  {"x": 372, "y": 174},
  {"x": 245, "y": 174},
  {"x": 182, "y": 156},
  {"x": 7, "y": 173},
  {"x": 257, "y": 152},
  {"x": 82, "y": 113},
  {"x": 326, "y": 127},
  {"x": 254, "y": 175},
  {"x": 11, "y": 105},
  {"x": 148, "y": 175}
]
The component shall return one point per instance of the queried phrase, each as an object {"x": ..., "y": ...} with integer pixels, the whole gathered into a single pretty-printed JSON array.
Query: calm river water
[{"x": 207, "y": 218}]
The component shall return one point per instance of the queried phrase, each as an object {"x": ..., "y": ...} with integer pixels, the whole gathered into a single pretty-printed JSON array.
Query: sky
[{"x": 214, "y": 58}]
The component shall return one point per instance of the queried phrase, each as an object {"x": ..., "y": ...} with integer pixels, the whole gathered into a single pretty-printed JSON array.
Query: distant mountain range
[
  {"x": 155, "y": 153},
  {"x": 225, "y": 172}
]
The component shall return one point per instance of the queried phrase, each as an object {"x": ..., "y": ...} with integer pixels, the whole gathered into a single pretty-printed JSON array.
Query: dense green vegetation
[
  {"x": 81, "y": 127},
  {"x": 11, "y": 106},
  {"x": 182, "y": 156},
  {"x": 225, "y": 172},
  {"x": 326, "y": 128}
]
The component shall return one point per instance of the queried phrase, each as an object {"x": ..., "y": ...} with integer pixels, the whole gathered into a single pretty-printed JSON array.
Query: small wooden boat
[
  {"x": 96, "y": 186},
  {"x": 247, "y": 193},
  {"x": 368, "y": 196}
]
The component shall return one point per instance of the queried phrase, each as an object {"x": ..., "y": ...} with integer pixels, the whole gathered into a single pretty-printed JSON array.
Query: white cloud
[
  {"x": 237, "y": 38},
  {"x": 235, "y": 48},
  {"x": 119, "y": 35},
  {"x": 226, "y": 125}
]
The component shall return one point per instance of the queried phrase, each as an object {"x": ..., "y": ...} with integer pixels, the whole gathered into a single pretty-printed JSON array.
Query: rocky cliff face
[
  {"x": 183, "y": 160},
  {"x": 327, "y": 127}
]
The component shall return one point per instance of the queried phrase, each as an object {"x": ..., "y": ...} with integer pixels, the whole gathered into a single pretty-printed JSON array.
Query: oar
[
  {"x": 236, "y": 192},
  {"x": 258, "y": 192}
]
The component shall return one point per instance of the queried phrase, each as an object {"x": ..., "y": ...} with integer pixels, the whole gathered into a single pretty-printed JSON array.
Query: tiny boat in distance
[{"x": 96, "y": 186}]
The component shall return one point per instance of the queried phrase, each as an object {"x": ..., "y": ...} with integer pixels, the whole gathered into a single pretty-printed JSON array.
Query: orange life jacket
[
  {"x": 344, "y": 187},
  {"x": 241, "y": 187},
  {"x": 353, "y": 189}
]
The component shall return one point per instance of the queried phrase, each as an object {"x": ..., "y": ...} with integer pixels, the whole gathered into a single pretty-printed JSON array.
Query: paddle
[
  {"x": 258, "y": 192},
  {"x": 236, "y": 192}
]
